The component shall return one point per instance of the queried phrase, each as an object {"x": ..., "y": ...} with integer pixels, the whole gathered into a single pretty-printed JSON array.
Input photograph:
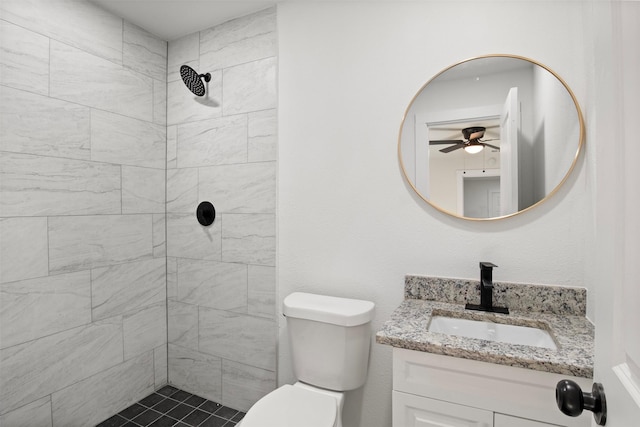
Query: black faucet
[{"x": 486, "y": 291}]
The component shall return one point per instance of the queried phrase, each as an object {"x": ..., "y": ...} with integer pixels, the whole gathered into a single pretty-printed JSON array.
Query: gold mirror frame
[{"x": 547, "y": 196}]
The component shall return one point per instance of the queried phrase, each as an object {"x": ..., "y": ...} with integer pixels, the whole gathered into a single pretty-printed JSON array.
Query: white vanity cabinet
[{"x": 434, "y": 390}]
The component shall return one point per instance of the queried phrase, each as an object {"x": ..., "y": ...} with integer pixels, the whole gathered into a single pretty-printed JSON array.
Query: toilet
[{"x": 329, "y": 339}]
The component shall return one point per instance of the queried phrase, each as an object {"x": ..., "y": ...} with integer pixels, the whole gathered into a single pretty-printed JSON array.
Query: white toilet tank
[{"x": 329, "y": 339}]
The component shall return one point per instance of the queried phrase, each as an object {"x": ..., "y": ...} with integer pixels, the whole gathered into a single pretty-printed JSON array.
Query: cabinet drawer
[
  {"x": 502, "y": 420},
  {"x": 415, "y": 411}
]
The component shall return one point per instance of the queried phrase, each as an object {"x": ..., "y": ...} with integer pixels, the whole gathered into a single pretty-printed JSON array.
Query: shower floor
[{"x": 170, "y": 406}]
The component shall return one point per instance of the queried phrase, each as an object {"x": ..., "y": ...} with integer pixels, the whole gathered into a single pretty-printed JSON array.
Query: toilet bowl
[{"x": 329, "y": 339}]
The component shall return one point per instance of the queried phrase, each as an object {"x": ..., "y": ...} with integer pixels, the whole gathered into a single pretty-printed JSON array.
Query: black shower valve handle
[{"x": 206, "y": 213}]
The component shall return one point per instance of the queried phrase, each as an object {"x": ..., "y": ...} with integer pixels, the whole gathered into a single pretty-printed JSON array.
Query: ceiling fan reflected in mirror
[{"x": 472, "y": 143}]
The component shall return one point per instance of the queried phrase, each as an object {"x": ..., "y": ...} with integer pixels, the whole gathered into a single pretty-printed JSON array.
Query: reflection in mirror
[{"x": 490, "y": 137}]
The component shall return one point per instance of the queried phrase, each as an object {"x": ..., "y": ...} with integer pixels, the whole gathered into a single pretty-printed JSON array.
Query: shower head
[{"x": 192, "y": 80}]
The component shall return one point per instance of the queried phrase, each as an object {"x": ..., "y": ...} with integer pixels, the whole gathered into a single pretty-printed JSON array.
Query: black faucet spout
[{"x": 486, "y": 291}]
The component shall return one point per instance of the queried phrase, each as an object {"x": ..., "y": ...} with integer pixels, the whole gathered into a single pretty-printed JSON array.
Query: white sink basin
[{"x": 490, "y": 331}]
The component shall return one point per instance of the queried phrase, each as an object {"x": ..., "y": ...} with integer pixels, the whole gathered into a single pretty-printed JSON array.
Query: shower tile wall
[
  {"x": 82, "y": 213},
  {"x": 221, "y": 279}
]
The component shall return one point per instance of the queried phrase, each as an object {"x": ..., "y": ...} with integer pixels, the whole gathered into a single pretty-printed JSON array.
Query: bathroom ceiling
[{"x": 172, "y": 19}]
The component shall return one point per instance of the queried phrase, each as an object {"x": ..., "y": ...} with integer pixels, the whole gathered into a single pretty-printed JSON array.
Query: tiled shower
[{"x": 110, "y": 288}]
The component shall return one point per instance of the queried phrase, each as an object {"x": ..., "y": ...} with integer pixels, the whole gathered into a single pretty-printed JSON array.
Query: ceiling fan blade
[
  {"x": 445, "y": 141},
  {"x": 452, "y": 148},
  {"x": 490, "y": 139},
  {"x": 492, "y": 146}
]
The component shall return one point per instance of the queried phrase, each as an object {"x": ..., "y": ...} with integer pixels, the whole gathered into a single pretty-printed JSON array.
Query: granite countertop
[{"x": 559, "y": 310}]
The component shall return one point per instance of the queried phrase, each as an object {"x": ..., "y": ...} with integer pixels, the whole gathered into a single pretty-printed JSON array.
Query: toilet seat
[{"x": 290, "y": 406}]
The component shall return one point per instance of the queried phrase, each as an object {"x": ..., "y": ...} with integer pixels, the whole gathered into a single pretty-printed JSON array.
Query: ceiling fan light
[{"x": 473, "y": 148}]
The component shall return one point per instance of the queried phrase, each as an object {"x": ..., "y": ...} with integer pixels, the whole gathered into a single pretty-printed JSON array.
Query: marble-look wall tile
[
  {"x": 249, "y": 238},
  {"x": 183, "y": 106},
  {"x": 37, "y": 368},
  {"x": 241, "y": 40},
  {"x": 172, "y": 278},
  {"x": 97, "y": 398},
  {"x": 143, "y": 52},
  {"x": 213, "y": 284},
  {"x": 244, "y": 339},
  {"x": 24, "y": 59},
  {"x": 172, "y": 147},
  {"x": 262, "y": 291},
  {"x": 183, "y": 324},
  {"x": 195, "y": 372},
  {"x": 142, "y": 190},
  {"x": 160, "y": 368},
  {"x": 185, "y": 50},
  {"x": 244, "y": 385},
  {"x": 249, "y": 87},
  {"x": 125, "y": 287},
  {"x": 263, "y": 136},
  {"x": 86, "y": 79},
  {"x": 36, "y": 414},
  {"x": 78, "y": 243},
  {"x": 35, "y": 124},
  {"x": 35, "y": 185},
  {"x": 188, "y": 239},
  {"x": 122, "y": 140},
  {"x": 34, "y": 308},
  {"x": 160, "y": 102},
  {"x": 77, "y": 23},
  {"x": 241, "y": 188},
  {"x": 23, "y": 248},
  {"x": 144, "y": 329},
  {"x": 182, "y": 190},
  {"x": 159, "y": 235},
  {"x": 173, "y": 72},
  {"x": 213, "y": 142}
]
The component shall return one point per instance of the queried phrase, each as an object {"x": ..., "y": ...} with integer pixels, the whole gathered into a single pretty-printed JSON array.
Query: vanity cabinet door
[
  {"x": 410, "y": 410},
  {"x": 502, "y": 420}
]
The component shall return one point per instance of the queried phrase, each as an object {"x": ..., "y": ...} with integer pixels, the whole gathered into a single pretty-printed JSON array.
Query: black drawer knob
[{"x": 572, "y": 400}]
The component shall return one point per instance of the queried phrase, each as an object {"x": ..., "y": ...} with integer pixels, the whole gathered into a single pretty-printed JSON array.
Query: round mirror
[{"x": 490, "y": 137}]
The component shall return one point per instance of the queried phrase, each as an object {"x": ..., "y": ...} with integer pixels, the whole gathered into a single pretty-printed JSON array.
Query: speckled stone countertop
[{"x": 559, "y": 310}]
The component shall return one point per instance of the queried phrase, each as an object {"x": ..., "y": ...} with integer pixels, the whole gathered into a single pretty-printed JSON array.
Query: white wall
[{"x": 348, "y": 224}]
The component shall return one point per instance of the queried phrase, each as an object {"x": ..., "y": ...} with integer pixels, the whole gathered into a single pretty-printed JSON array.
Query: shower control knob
[
  {"x": 206, "y": 213},
  {"x": 572, "y": 400}
]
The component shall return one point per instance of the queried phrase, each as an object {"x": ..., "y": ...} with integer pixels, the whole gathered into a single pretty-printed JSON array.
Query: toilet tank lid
[{"x": 328, "y": 309}]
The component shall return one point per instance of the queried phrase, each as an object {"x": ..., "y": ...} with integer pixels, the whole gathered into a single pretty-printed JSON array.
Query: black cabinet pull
[{"x": 572, "y": 400}]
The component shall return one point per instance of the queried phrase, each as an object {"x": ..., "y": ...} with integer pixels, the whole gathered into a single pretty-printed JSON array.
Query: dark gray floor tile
[
  {"x": 115, "y": 421},
  {"x": 196, "y": 417}
]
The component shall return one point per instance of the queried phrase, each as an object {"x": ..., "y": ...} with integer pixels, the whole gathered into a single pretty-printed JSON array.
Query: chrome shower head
[{"x": 193, "y": 80}]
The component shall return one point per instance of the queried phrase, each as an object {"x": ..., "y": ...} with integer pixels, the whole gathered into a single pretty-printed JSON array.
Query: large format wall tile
[
  {"x": 24, "y": 59},
  {"x": 142, "y": 190},
  {"x": 249, "y": 87},
  {"x": 34, "y": 185},
  {"x": 121, "y": 288},
  {"x": 213, "y": 284},
  {"x": 183, "y": 324},
  {"x": 37, "y": 368},
  {"x": 35, "y": 124},
  {"x": 144, "y": 52},
  {"x": 238, "y": 337},
  {"x": 160, "y": 367},
  {"x": 144, "y": 329},
  {"x": 184, "y": 51},
  {"x": 239, "y": 41},
  {"x": 78, "y": 23},
  {"x": 23, "y": 248},
  {"x": 114, "y": 389},
  {"x": 160, "y": 102},
  {"x": 188, "y": 239},
  {"x": 195, "y": 372},
  {"x": 263, "y": 136},
  {"x": 182, "y": 190},
  {"x": 119, "y": 139},
  {"x": 37, "y": 413},
  {"x": 241, "y": 188},
  {"x": 80, "y": 77},
  {"x": 33, "y": 308},
  {"x": 244, "y": 385},
  {"x": 262, "y": 291},
  {"x": 172, "y": 147},
  {"x": 249, "y": 238},
  {"x": 78, "y": 243},
  {"x": 213, "y": 142},
  {"x": 183, "y": 106},
  {"x": 159, "y": 235}
]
